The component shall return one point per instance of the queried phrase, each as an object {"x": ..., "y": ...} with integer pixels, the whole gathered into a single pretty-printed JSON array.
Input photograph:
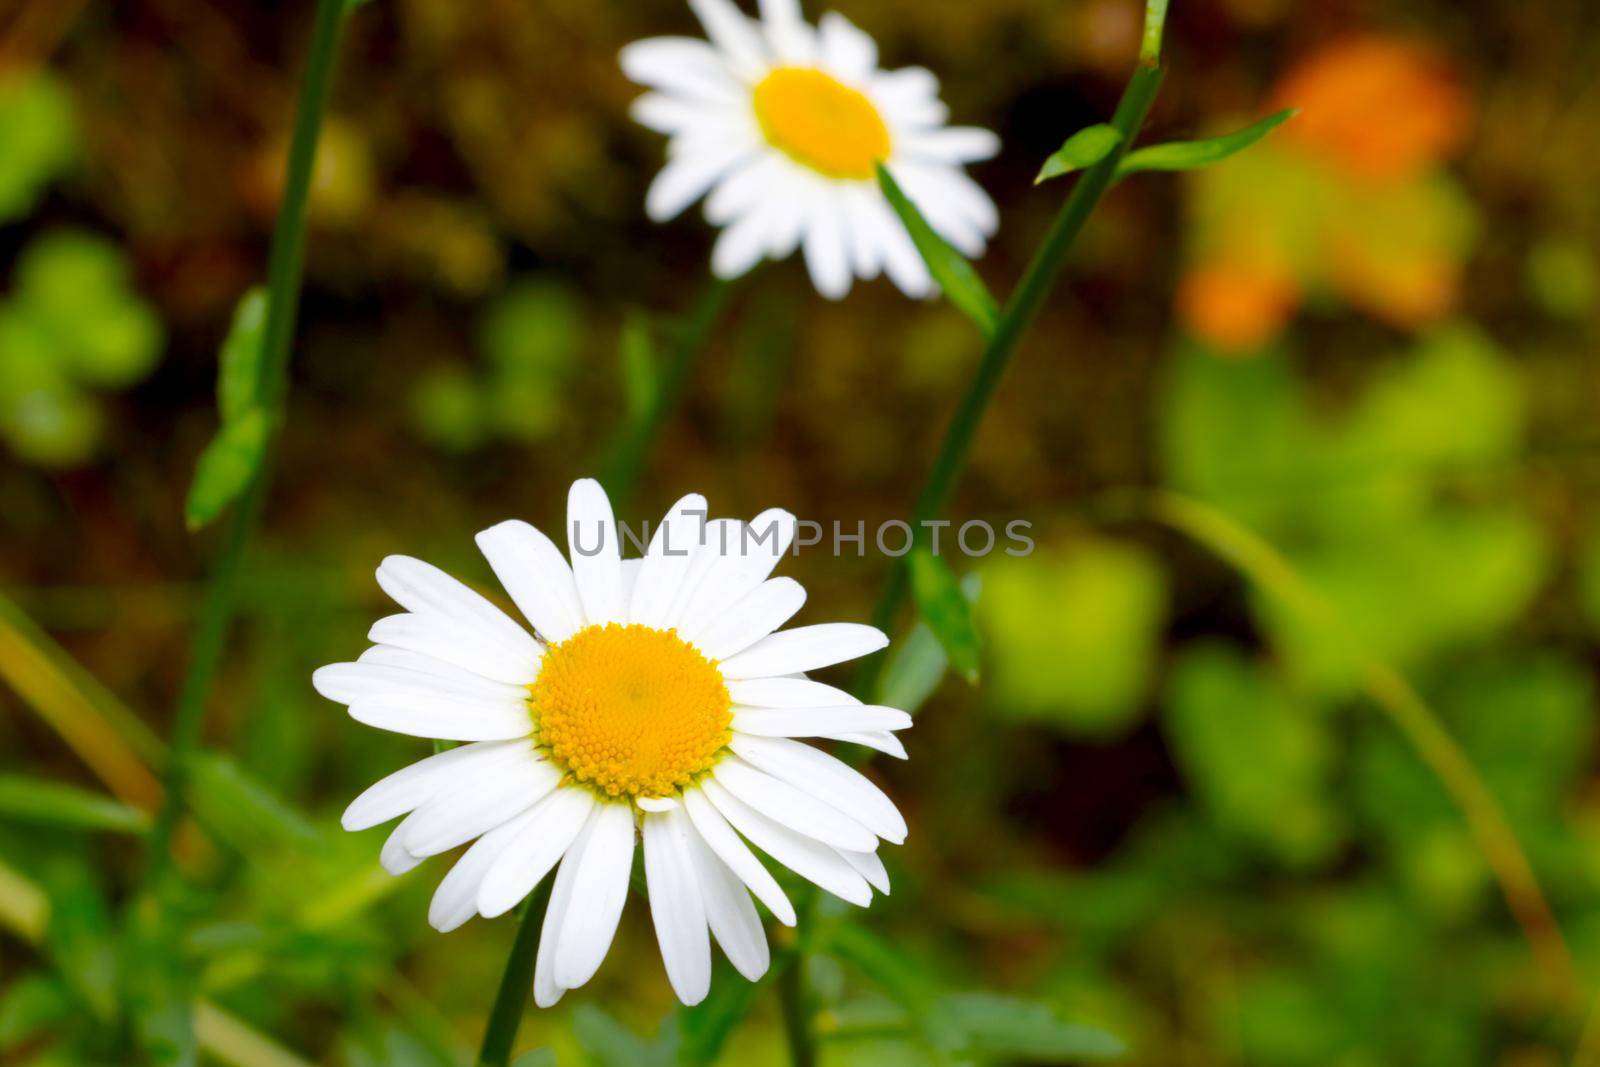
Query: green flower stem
[
  {"x": 283, "y": 280},
  {"x": 622, "y": 468},
  {"x": 1275, "y": 576},
  {"x": 1015, "y": 320},
  {"x": 797, "y": 1012},
  {"x": 515, "y": 983}
]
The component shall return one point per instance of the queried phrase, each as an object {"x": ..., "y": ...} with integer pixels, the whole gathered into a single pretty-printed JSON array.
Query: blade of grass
[
  {"x": 1273, "y": 574},
  {"x": 110, "y": 739}
]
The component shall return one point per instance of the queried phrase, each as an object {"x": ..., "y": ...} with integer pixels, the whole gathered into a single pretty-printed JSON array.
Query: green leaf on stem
[
  {"x": 1191, "y": 155},
  {"x": 1083, "y": 149},
  {"x": 24, "y": 798},
  {"x": 226, "y": 467},
  {"x": 916, "y": 664},
  {"x": 946, "y": 610},
  {"x": 948, "y": 267},
  {"x": 1155, "y": 22},
  {"x": 239, "y": 362}
]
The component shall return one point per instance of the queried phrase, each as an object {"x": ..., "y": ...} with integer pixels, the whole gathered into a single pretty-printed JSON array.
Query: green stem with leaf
[
  {"x": 271, "y": 386},
  {"x": 1013, "y": 323}
]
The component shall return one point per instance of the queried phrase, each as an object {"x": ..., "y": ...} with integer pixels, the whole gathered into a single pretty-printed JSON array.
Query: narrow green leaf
[
  {"x": 239, "y": 362},
  {"x": 1083, "y": 149},
  {"x": 239, "y": 809},
  {"x": 917, "y": 664},
  {"x": 226, "y": 467},
  {"x": 1008, "y": 1028},
  {"x": 1191, "y": 155},
  {"x": 948, "y": 267},
  {"x": 57, "y": 804},
  {"x": 906, "y": 979},
  {"x": 946, "y": 610},
  {"x": 640, "y": 366},
  {"x": 1155, "y": 23}
]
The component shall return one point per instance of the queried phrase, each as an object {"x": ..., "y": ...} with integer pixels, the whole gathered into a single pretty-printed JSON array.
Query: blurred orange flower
[
  {"x": 1375, "y": 108},
  {"x": 1350, "y": 202}
]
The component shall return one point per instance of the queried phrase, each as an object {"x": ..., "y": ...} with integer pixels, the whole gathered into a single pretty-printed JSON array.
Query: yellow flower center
[
  {"x": 631, "y": 709},
  {"x": 821, "y": 123}
]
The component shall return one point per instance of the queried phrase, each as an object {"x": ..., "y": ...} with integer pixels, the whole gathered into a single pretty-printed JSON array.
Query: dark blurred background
[{"x": 1169, "y": 808}]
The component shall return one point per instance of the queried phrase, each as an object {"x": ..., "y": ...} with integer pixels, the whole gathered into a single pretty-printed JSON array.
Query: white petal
[
  {"x": 787, "y": 693},
  {"x": 729, "y": 911},
  {"x": 805, "y": 648},
  {"x": 683, "y": 66},
  {"x": 910, "y": 96},
  {"x": 829, "y": 780},
  {"x": 817, "y": 722},
  {"x": 785, "y": 803},
  {"x": 672, "y": 115},
  {"x": 764, "y": 609},
  {"x": 456, "y": 899},
  {"x": 790, "y": 39},
  {"x": 596, "y": 550},
  {"x": 405, "y": 659},
  {"x": 676, "y": 906},
  {"x": 951, "y": 144},
  {"x": 687, "y": 176},
  {"x": 537, "y": 576},
  {"x": 733, "y": 34},
  {"x": 655, "y": 803},
  {"x": 426, "y": 705},
  {"x": 744, "y": 190},
  {"x": 747, "y": 563},
  {"x": 548, "y": 830},
  {"x": 863, "y": 236},
  {"x": 849, "y": 53},
  {"x": 444, "y": 721},
  {"x": 720, "y": 538},
  {"x": 424, "y": 589},
  {"x": 601, "y": 887},
  {"x": 715, "y": 831},
  {"x": 468, "y": 808},
  {"x": 673, "y": 546},
  {"x": 740, "y": 246},
  {"x": 410, "y": 787},
  {"x": 827, "y": 253},
  {"x": 869, "y": 865},
  {"x": 546, "y": 990},
  {"x": 887, "y": 743},
  {"x": 806, "y": 857},
  {"x": 393, "y": 857},
  {"x": 444, "y": 639}
]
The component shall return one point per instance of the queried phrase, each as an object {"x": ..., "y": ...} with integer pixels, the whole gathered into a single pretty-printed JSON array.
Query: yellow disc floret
[
  {"x": 821, "y": 122},
  {"x": 631, "y": 709}
]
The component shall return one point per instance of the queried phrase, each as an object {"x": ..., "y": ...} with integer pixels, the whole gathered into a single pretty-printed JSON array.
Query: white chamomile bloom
[
  {"x": 781, "y": 126},
  {"x": 654, "y": 697}
]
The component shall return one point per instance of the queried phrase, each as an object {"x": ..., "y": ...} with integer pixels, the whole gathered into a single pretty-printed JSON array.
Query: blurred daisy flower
[
  {"x": 781, "y": 126},
  {"x": 654, "y": 697}
]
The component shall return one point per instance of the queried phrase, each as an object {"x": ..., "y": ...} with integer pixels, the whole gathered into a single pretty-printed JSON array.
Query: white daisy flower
[
  {"x": 783, "y": 125},
  {"x": 654, "y": 697}
]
